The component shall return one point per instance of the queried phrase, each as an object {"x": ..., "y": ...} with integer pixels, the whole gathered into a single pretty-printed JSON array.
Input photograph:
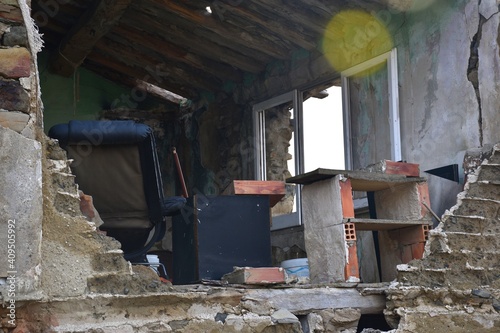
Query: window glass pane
[
  {"x": 323, "y": 130},
  {"x": 370, "y": 125}
]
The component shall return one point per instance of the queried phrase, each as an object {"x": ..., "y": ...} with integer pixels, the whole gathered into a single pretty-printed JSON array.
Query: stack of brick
[{"x": 457, "y": 283}]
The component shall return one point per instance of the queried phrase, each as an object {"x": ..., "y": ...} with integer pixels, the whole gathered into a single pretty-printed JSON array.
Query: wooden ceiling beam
[
  {"x": 157, "y": 69},
  {"x": 79, "y": 41},
  {"x": 195, "y": 44},
  {"x": 225, "y": 33},
  {"x": 282, "y": 31},
  {"x": 297, "y": 13},
  {"x": 112, "y": 64},
  {"x": 131, "y": 83},
  {"x": 157, "y": 66},
  {"x": 143, "y": 40}
]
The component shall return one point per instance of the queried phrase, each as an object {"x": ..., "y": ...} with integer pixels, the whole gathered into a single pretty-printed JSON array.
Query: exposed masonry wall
[
  {"x": 20, "y": 151},
  {"x": 70, "y": 281},
  {"x": 456, "y": 286}
]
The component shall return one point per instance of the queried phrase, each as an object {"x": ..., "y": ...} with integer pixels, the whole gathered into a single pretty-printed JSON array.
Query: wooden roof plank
[
  {"x": 136, "y": 72},
  {"x": 176, "y": 53},
  {"x": 156, "y": 67},
  {"x": 222, "y": 32},
  {"x": 284, "y": 32},
  {"x": 195, "y": 44},
  {"x": 92, "y": 25}
]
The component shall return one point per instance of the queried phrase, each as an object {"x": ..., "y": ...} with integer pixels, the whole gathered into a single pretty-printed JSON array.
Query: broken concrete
[
  {"x": 456, "y": 285},
  {"x": 20, "y": 211}
]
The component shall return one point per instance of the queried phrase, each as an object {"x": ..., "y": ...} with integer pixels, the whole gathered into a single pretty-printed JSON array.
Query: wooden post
[{"x": 180, "y": 174}]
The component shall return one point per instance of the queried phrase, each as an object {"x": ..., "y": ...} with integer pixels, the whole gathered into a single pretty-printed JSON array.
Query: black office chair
[{"x": 116, "y": 163}]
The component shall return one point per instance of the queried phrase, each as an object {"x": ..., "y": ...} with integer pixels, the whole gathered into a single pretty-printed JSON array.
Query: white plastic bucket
[
  {"x": 296, "y": 267},
  {"x": 153, "y": 259}
]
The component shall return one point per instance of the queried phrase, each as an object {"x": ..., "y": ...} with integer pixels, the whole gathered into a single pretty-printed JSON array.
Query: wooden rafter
[
  {"x": 174, "y": 53},
  {"x": 198, "y": 45},
  {"x": 223, "y": 33},
  {"x": 156, "y": 67},
  {"x": 80, "y": 40},
  {"x": 136, "y": 72}
]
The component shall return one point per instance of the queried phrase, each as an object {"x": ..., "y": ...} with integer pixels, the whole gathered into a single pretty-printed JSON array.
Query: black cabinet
[{"x": 214, "y": 234}]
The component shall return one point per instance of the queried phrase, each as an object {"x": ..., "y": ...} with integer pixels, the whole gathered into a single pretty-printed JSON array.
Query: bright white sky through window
[{"x": 323, "y": 132}]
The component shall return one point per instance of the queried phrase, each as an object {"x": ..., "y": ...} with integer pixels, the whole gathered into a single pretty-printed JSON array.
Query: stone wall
[
  {"x": 456, "y": 286},
  {"x": 20, "y": 153}
]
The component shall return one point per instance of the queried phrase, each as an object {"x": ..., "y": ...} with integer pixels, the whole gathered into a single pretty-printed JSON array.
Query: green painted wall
[{"x": 82, "y": 96}]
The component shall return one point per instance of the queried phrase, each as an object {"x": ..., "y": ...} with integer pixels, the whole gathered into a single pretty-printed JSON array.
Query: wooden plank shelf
[
  {"x": 275, "y": 190},
  {"x": 360, "y": 180},
  {"x": 381, "y": 224}
]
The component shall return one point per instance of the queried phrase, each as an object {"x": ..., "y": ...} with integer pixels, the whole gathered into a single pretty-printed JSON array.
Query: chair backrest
[{"x": 116, "y": 163}]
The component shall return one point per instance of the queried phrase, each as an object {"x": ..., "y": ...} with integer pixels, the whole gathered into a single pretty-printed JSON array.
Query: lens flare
[{"x": 354, "y": 36}]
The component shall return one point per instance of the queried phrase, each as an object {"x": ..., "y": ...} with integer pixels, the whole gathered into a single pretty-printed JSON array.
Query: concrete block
[
  {"x": 473, "y": 225},
  {"x": 472, "y": 242},
  {"x": 489, "y": 172},
  {"x": 324, "y": 230},
  {"x": 478, "y": 207},
  {"x": 399, "y": 202},
  {"x": 484, "y": 190},
  {"x": 21, "y": 208}
]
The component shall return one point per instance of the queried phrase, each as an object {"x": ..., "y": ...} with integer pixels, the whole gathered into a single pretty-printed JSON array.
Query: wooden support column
[
  {"x": 324, "y": 233},
  {"x": 80, "y": 40}
]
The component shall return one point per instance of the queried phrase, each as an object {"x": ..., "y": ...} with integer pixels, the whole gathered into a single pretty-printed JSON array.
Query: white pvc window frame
[
  {"x": 259, "y": 119},
  {"x": 395, "y": 130}
]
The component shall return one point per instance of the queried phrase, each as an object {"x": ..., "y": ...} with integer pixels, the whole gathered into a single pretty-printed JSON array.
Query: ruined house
[{"x": 226, "y": 83}]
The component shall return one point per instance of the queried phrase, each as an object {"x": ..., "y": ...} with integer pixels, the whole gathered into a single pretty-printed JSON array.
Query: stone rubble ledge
[{"x": 202, "y": 308}]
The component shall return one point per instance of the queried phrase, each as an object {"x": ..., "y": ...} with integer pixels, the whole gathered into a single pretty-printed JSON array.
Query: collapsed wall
[{"x": 456, "y": 286}]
